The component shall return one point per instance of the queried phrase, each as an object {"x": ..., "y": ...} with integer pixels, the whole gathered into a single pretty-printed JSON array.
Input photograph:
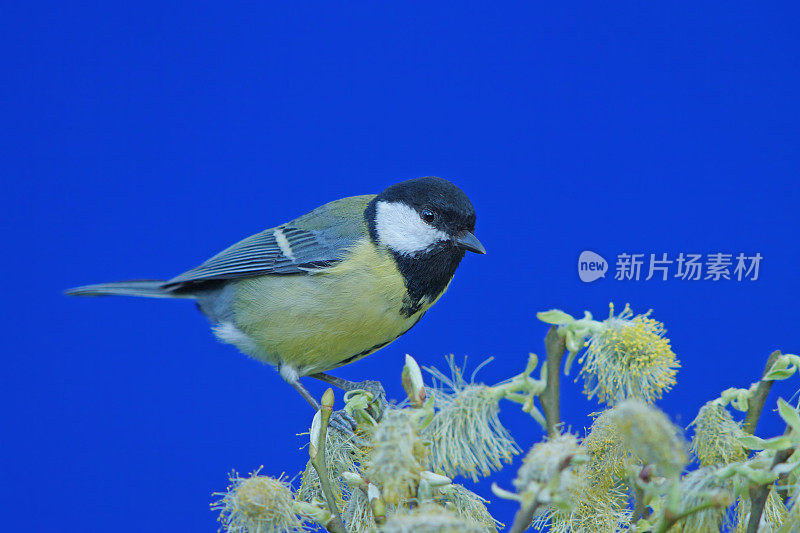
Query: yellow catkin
[
  {"x": 716, "y": 436},
  {"x": 648, "y": 434},
  {"x": 697, "y": 488},
  {"x": 467, "y": 437},
  {"x": 257, "y": 504},
  {"x": 395, "y": 462},
  {"x": 429, "y": 518},
  {"x": 629, "y": 358}
]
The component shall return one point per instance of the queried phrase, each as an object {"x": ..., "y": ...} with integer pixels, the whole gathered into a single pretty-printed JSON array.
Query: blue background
[{"x": 141, "y": 139}]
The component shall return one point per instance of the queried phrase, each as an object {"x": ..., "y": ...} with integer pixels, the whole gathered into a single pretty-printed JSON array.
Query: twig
[
  {"x": 638, "y": 505},
  {"x": 756, "y": 403},
  {"x": 670, "y": 520},
  {"x": 641, "y": 508},
  {"x": 320, "y": 464},
  {"x": 759, "y": 494},
  {"x": 524, "y": 517},
  {"x": 551, "y": 397}
]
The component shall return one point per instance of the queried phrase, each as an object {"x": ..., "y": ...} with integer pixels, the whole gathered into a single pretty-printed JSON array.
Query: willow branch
[
  {"x": 670, "y": 520},
  {"x": 524, "y": 517},
  {"x": 759, "y": 398},
  {"x": 551, "y": 397},
  {"x": 759, "y": 494},
  {"x": 320, "y": 464},
  {"x": 641, "y": 508}
]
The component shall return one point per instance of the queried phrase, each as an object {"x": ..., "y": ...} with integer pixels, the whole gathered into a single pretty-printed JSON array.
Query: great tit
[{"x": 332, "y": 286}]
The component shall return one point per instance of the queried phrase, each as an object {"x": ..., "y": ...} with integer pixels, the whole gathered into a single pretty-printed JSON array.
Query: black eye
[{"x": 428, "y": 216}]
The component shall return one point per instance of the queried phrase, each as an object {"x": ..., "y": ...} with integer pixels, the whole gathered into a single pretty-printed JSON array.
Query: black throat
[{"x": 426, "y": 274}]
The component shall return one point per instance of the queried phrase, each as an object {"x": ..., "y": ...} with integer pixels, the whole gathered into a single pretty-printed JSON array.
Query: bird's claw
[
  {"x": 378, "y": 403},
  {"x": 343, "y": 422}
]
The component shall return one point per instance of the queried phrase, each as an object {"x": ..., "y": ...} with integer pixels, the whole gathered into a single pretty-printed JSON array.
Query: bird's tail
[{"x": 146, "y": 288}]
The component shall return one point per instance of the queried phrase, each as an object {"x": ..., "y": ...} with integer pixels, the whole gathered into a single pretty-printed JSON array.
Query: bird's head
[{"x": 424, "y": 216}]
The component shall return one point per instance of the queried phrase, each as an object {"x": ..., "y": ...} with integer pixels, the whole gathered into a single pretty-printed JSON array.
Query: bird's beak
[{"x": 468, "y": 241}]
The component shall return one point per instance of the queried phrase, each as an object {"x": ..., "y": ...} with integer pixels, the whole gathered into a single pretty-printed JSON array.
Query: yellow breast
[{"x": 319, "y": 321}]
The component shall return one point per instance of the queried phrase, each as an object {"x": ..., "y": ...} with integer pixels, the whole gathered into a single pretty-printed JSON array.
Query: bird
[{"x": 332, "y": 286}]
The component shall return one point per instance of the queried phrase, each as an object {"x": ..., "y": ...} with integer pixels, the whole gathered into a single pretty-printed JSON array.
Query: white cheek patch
[{"x": 400, "y": 228}]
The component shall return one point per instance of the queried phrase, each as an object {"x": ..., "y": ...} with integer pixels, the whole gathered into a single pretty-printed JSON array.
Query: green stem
[
  {"x": 519, "y": 384},
  {"x": 670, "y": 520},
  {"x": 528, "y": 406},
  {"x": 320, "y": 465}
]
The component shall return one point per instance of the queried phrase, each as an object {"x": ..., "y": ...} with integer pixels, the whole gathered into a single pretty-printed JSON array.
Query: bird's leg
[
  {"x": 341, "y": 420},
  {"x": 304, "y": 393},
  {"x": 373, "y": 387},
  {"x": 369, "y": 385}
]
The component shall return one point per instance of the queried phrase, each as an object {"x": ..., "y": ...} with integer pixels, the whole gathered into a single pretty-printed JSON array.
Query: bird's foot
[
  {"x": 378, "y": 404},
  {"x": 344, "y": 423}
]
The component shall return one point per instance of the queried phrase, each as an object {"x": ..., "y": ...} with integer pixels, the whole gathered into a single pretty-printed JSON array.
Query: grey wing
[{"x": 316, "y": 240}]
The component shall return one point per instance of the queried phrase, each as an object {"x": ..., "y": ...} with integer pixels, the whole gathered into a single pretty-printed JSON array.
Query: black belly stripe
[
  {"x": 409, "y": 307},
  {"x": 377, "y": 347},
  {"x": 364, "y": 353}
]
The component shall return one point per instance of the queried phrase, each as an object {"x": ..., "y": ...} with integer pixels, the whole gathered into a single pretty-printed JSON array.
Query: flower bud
[
  {"x": 413, "y": 383},
  {"x": 315, "y": 435}
]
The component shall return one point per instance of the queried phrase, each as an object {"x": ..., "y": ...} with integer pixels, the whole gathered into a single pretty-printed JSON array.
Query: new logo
[{"x": 591, "y": 266}]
